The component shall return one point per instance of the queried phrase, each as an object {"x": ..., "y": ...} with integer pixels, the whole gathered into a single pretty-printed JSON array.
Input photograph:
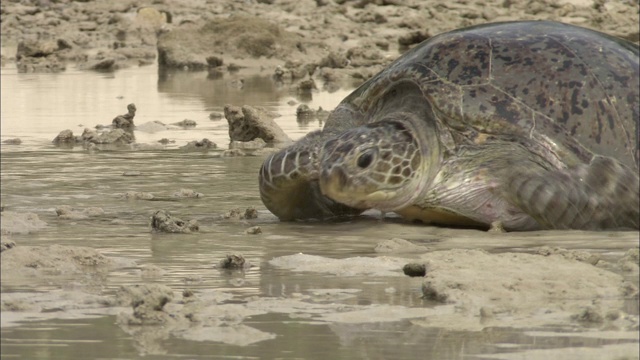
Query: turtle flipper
[
  {"x": 289, "y": 183},
  {"x": 601, "y": 195}
]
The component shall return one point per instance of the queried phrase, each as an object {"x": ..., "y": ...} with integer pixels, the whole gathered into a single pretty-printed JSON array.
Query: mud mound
[
  {"x": 512, "y": 288},
  {"x": 20, "y": 223},
  {"x": 237, "y": 37},
  {"x": 53, "y": 260}
]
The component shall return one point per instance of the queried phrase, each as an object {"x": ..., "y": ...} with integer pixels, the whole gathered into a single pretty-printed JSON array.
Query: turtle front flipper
[
  {"x": 601, "y": 195},
  {"x": 289, "y": 183}
]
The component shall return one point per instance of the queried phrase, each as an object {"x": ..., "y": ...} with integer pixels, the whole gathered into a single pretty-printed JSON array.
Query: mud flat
[{"x": 292, "y": 38}]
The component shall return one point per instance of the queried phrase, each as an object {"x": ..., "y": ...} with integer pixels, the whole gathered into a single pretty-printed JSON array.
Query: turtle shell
[{"x": 568, "y": 91}]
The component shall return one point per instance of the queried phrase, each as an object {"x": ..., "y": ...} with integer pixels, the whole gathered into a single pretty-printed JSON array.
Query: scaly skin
[
  {"x": 601, "y": 195},
  {"x": 289, "y": 183},
  {"x": 380, "y": 165}
]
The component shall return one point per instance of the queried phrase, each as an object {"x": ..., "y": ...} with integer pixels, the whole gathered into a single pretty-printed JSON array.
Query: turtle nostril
[{"x": 364, "y": 160}]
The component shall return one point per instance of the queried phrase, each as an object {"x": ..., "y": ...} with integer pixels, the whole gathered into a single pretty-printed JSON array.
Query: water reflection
[
  {"x": 257, "y": 89},
  {"x": 297, "y": 338},
  {"x": 36, "y": 107}
]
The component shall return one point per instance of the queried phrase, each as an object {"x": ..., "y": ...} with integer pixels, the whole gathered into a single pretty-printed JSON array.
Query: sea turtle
[{"x": 529, "y": 124}]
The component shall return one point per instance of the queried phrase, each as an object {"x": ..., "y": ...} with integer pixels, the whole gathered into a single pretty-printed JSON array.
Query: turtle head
[{"x": 380, "y": 165}]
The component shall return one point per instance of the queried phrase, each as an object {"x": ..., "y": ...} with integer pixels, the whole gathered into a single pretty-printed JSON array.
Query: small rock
[
  {"x": 6, "y": 245},
  {"x": 232, "y": 262},
  {"x": 251, "y": 213},
  {"x": 254, "y": 230},
  {"x": 248, "y": 123},
  {"x": 50, "y": 64},
  {"x": 152, "y": 18},
  {"x": 112, "y": 137},
  {"x": 137, "y": 195},
  {"x": 214, "y": 61},
  {"x": 105, "y": 65},
  {"x": 415, "y": 270},
  {"x": 165, "y": 141},
  {"x": 237, "y": 214},
  {"x": 147, "y": 301},
  {"x": 305, "y": 87},
  {"x": 125, "y": 121},
  {"x": 204, "y": 144},
  {"x": 279, "y": 73},
  {"x": 334, "y": 60},
  {"x": 162, "y": 221},
  {"x": 35, "y": 48},
  {"x": 186, "y": 123},
  {"x": 233, "y": 214},
  {"x": 304, "y": 112},
  {"x": 65, "y": 137}
]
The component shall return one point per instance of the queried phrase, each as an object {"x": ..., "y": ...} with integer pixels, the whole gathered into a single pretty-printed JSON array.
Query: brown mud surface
[{"x": 345, "y": 39}]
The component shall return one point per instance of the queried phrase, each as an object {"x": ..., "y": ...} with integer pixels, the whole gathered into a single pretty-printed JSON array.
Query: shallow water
[{"x": 38, "y": 177}]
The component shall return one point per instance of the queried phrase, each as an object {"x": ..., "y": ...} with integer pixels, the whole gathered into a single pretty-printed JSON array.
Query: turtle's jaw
[{"x": 336, "y": 184}]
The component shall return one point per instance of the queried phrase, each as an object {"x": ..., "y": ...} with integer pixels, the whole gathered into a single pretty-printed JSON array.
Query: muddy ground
[
  {"x": 331, "y": 41},
  {"x": 345, "y": 39}
]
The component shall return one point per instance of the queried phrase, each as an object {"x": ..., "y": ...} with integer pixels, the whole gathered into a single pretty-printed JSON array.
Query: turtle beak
[{"x": 333, "y": 182}]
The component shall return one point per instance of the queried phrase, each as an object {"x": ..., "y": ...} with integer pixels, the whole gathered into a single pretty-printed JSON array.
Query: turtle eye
[{"x": 365, "y": 160}]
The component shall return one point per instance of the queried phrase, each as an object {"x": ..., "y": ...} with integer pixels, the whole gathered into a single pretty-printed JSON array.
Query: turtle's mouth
[{"x": 335, "y": 184}]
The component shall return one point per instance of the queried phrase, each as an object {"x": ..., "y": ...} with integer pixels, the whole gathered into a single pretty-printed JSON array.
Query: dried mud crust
[
  {"x": 358, "y": 37},
  {"x": 472, "y": 289},
  {"x": 53, "y": 260},
  {"x": 476, "y": 289}
]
